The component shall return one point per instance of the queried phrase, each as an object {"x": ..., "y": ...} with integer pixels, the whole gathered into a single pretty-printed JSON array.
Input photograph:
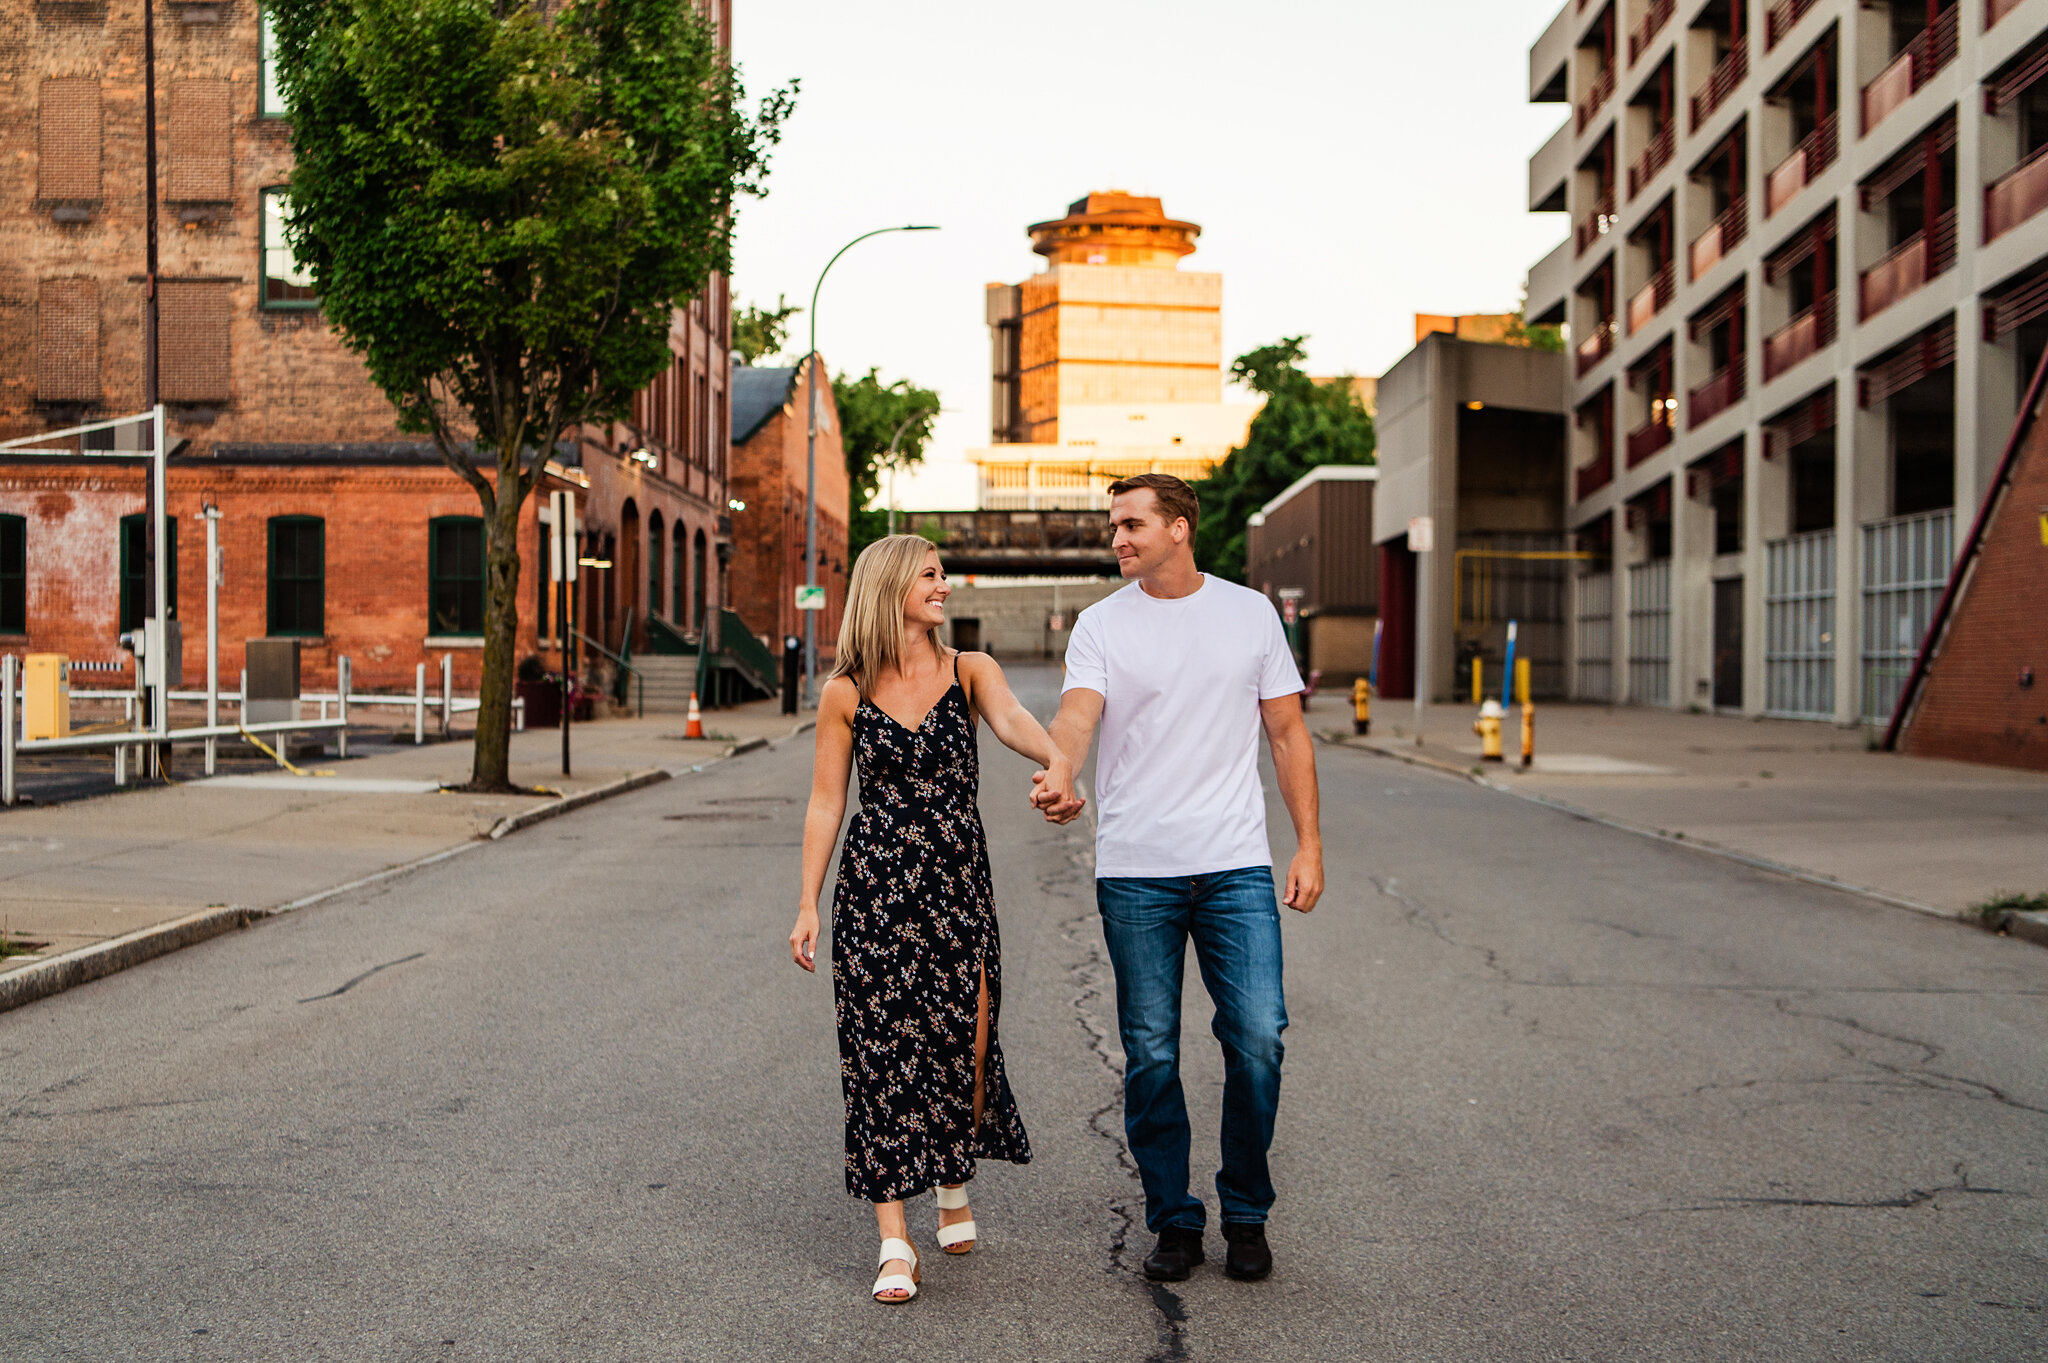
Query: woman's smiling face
[{"x": 925, "y": 603}]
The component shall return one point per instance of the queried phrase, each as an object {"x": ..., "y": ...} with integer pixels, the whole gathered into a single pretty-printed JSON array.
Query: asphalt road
[{"x": 1553, "y": 1092}]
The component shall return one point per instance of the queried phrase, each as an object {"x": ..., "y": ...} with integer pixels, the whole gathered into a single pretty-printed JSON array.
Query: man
[{"x": 1182, "y": 670}]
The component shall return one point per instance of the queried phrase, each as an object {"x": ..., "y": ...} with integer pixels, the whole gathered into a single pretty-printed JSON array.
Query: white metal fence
[
  {"x": 1905, "y": 566},
  {"x": 1593, "y": 636},
  {"x": 1799, "y": 626},
  {"x": 1649, "y": 633}
]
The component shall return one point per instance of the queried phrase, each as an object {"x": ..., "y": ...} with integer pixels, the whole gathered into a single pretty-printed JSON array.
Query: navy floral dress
[{"x": 913, "y": 934}]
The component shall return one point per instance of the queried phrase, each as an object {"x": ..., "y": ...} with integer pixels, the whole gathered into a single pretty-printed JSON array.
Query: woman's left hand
[{"x": 1052, "y": 789}]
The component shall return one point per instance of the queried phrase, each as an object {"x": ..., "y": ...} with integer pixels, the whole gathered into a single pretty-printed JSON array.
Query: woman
[{"x": 916, "y": 964}]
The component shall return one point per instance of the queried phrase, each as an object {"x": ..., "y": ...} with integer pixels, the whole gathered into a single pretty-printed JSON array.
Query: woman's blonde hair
[{"x": 871, "y": 630}]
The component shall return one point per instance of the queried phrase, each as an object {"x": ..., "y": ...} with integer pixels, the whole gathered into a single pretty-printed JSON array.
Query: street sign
[
  {"x": 561, "y": 536},
  {"x": 810, "y": 598},
  {"x": 1421, "y": 534}
]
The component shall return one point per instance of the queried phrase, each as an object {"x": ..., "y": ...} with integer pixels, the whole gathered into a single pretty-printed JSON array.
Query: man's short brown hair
[{"x": 1176, "y": 498}]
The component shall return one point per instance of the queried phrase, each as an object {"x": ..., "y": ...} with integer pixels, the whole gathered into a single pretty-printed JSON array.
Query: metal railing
[
  {"x": 1654, "y": 19},
  {"x": 1906, "y": 563},
  {"x": 1593, "y": 642},
  {"x": 1814, "y": 154},
  {"x": 2017, "y": 195},
  {"x": 1721, "y": 83},
  {"x": 1649, "y": 633},
  {"x": 639, "y": 677},
  {"x": 1807, "y": 334},
  {"x": 1721, "y": 237},
  {"x": 1799, "y": 626}
]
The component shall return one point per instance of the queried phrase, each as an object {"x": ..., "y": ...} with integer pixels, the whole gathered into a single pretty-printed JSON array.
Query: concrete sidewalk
[
  {"x": 85, "y": 872},
  {"x": 1809, "y": 796}
]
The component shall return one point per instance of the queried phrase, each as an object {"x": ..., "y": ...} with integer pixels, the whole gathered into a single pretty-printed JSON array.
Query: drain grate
[{"x": 715, "y": 816}]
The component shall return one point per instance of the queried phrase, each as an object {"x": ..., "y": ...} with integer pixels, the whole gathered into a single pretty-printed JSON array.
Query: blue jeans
[{"x": 1235, "y": 924}]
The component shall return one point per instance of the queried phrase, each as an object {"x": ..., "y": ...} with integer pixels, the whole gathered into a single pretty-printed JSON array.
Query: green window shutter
[
  {"x": 455, "y": 576},
  {"x": 13, "y": 575},
  {"x": 298, "y": 576},
  {"x": 135, "y": 569}
]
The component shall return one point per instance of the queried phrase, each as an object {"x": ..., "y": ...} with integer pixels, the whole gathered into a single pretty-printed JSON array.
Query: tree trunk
[{"x": 493, "y": 768}]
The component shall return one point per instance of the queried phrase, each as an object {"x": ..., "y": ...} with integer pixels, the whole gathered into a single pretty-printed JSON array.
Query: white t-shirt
[{"x": 1177, "y": 775}]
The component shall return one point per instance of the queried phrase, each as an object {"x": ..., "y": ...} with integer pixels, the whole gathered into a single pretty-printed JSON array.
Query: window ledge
[{"x": 453, "y": 641}]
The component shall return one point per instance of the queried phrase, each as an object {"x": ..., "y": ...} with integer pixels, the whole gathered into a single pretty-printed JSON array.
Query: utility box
[
  {"x": 172, "y": 646},
  {"x": 273, "y": 694},
  {"x": 46, "y": 696}
]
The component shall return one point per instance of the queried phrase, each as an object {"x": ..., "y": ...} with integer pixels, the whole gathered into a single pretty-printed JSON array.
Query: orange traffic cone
[{"x": 695, "y": 728}]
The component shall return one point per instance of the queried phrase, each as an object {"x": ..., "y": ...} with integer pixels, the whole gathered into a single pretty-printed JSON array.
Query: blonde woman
[{"x": 916, "y": 963}]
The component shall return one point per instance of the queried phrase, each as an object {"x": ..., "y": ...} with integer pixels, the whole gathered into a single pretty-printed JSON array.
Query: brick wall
[
  {"x": 768, "y": 474},
  {"x": 1975, "y": 707},
  {"x": 376, "y": 563}
]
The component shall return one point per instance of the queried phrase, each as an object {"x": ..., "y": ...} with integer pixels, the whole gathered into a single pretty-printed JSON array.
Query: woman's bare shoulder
[{"x": 839, "y": 699}]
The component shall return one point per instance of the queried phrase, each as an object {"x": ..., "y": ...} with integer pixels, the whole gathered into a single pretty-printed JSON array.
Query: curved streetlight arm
[{"x": 811, "y": 455}]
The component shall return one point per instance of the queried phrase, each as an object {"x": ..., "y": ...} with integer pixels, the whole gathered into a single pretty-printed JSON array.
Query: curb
[
  {"x": 512, "y": 823},
  {"x": 86, "y": 964},
  {"x": 89, "y": 963},
  {"x": 1706, "y": 848},
  {"x": 2022, "y": 923},
  {"x": 749, "y": 745}
]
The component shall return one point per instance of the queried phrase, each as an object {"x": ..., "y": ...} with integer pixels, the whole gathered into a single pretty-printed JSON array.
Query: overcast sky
[{"x": 1351, "y": 163}]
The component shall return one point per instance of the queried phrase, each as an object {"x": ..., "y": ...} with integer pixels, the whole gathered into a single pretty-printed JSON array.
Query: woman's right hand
[{"x": 803, "y": 939}]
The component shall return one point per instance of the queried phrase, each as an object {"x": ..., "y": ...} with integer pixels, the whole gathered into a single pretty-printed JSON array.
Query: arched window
[
  {"x": 678, "y": 579},
  {"x": 697, "y": 579},
  {"x": 298, "y": 576},
  {"x": 654, "y": 564},
  {"x": 455, "y": 576}
]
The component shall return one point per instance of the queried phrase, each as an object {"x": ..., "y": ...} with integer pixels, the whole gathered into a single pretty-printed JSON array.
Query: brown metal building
[{"x": 1316, "y": 539}]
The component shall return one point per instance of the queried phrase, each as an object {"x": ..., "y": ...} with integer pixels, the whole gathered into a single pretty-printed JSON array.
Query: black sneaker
[
  {"x": 1179, "y": 1250},
  {"x": 1248, "y": 1260}
]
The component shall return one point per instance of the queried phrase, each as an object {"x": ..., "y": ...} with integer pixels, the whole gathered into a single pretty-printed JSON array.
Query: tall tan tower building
[{"x": 1108, "y": 363}]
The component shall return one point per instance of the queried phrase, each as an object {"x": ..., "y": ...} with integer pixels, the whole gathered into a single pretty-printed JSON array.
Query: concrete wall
[{"x": 1014, "y": 619}]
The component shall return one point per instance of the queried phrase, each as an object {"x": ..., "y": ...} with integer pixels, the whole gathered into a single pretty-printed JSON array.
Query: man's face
[{"x": 1144, "y": 538}]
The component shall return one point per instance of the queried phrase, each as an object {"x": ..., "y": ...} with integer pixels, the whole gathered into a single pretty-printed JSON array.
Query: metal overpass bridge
[{"x": 1021, "y": 543}]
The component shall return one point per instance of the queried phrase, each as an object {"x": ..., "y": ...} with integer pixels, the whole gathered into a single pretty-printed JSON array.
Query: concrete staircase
[{"x": 668, "y": 680}]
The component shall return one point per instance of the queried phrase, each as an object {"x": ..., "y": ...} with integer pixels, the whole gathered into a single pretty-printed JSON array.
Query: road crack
[
  {"x": 335, "y": 993},
  {"x": 1092, "y": 977}
]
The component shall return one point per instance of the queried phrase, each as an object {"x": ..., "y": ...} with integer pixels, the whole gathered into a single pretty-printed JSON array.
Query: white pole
[
  {"x": 447, "y": 695},
  {"x": 8, "y": 666},
  {"x": 212, "y": 516},
  {"x": 344, "y": 675},
  {"x": 242, "y": 698},
  {"x": 419, "y": 704},
  {"x": 159, "y": 663}
]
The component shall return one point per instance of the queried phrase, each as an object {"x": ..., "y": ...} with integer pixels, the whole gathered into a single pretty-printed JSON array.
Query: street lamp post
[{"x": 811, "y": 462}]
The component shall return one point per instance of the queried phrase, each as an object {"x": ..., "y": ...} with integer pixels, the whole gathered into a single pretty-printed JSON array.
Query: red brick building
[
  {"x": 336, "y": 528},
  {"x": 770, "y": 424},
  {"x": 1985, "y": 694}
]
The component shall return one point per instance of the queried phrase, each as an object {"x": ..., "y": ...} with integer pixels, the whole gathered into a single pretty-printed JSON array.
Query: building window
[
  {"x": 192, "y": 340},
  {"x": 298, "y": 576},
  {"x": 676, "y": 578},
  {"x": 455, "y": 575},
  {"x": 269, "y": 99},
  {"x": 13, "y": 575},
  {"x": 286, "y": 283},
  {"x": 135, "y": 565}
]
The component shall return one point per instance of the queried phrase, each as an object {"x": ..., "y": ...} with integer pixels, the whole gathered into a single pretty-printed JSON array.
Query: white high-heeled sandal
[
  {"x": 957, "y": 1238},
  {"x": 906, "y": 1283}
]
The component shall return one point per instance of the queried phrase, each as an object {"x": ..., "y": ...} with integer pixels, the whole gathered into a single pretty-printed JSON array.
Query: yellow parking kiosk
[{"x": 46, "y": 696}]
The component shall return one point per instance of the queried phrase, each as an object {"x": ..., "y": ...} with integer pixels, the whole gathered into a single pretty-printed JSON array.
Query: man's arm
[
  {"x": 1294, "y": 761},
  {"x": 1072, "y": 729}
]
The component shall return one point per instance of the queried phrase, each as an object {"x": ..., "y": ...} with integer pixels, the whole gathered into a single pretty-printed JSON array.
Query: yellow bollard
[
  {"x": 1361, "y": 706},
  {"x": 1528, "y": 734},
  {"x": 1522, "y": 680},
  {"x": 1478, "y": 680},
  {"x": 1487, "y": 726}
]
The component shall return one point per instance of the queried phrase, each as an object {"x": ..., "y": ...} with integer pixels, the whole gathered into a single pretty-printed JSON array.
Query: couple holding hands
[{"x": 1181, "y": 672}]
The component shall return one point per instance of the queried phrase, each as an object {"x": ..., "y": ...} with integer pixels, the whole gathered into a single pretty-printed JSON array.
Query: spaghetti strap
[{"x": 956, "y": 667}]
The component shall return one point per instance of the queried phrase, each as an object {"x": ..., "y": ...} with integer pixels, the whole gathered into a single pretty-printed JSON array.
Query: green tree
[
  {"x": 1304, "y": 423},
  {"x": 1519, "y": 332},
  {"x": 760, "y": 333},
  {"x": 873, "y": 417},
  {"x": 500, "y": 203}
]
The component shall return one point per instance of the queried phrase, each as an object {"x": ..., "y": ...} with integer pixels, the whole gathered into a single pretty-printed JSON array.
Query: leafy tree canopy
[
  {"x": 760, "y": 333},
  {"x": 499, "y": 205},
  {"x": 874, "y": 417},
  {"x": 1519, "y": 332},
  {"x": 1304, "y": 423}
]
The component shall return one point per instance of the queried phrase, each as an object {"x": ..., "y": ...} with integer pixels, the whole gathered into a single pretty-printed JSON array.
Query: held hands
[
  {"x": 803, "y": 939},
  {"x": 1304, "y": 880},
  {"x": 1053, "y": 792}
]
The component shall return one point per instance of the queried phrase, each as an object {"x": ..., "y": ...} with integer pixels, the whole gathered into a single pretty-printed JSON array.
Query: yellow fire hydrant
[
  {"x": 1487, "y": 726},
  {"x": 1361, "y": 706}
]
